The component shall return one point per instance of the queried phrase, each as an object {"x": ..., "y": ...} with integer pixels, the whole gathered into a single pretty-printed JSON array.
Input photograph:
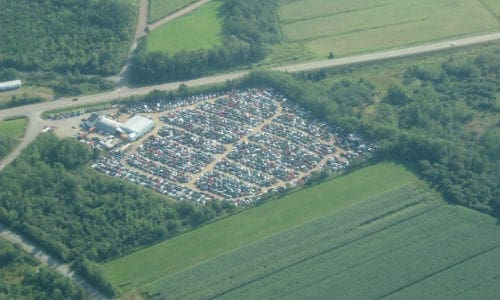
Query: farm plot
[
  {"x": 348, "y": 27},
  {"x": 162, "y": 8},
  {"x": 197, "y": 30},
  {"x": 403, "y": 244},
  {"x": 187, "y": 250}
]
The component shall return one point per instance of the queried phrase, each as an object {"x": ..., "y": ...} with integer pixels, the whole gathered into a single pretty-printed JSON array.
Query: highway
[
  {"x": 33, "y": 112},
  {"x": 35, "y": 125}
]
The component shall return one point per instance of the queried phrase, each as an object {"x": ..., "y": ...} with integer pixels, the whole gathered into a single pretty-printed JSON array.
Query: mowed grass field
[
  {"x": 14, "y": 128},
  {"x": 162, "y": 260},
  {"x": 162, "y": 8},
  {"x": 197, "y": 30},
  {"x": 348, "y": 27}
]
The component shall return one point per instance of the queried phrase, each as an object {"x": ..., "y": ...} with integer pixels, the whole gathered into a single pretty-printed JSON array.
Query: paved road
[
  {"x": 48, "y": 260},
  {"x": 33, "y": 111},
  {"x": 36, "y": 123}
]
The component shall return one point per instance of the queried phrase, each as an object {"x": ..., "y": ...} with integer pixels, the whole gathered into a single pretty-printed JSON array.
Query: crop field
[
  {"x": 197, "y": 30},
  {"x": 184, "y": 251},
  {"x": 162, "y": 8},
  {"x": 348, "y": 27},
  {"x": 14, "y": 128},
  {"x": 403, "y": 244}
]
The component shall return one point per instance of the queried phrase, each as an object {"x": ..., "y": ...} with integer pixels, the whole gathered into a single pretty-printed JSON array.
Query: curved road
[{"x": 49, "y": 261}]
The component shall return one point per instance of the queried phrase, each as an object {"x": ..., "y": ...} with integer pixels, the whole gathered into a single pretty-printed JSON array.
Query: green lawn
[
  {"x": 348, "y": 27},
  {"x": 197, "y": 30},
  {"x": 188, "y": 249},
  {"x": 14, "y": 128},
  {"x": 162, "y": 8}
]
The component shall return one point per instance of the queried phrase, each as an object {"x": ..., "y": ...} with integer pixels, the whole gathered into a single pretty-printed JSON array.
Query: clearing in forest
[
  {"x": 159, "y": 9},
  {"x": 197, "y": 30}
]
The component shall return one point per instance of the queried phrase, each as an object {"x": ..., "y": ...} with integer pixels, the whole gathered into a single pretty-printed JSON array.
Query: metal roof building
[
  {"x": 137, "y": 126},
  {"x": 106, "y": 125},
  {"x": 10, "y": 85}
]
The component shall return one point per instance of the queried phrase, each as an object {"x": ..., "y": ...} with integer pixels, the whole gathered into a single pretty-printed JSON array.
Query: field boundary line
[
  {"x": 411, "y": 183},
  {"x": 489, "y": 10},
  {"x": 363, "y": 261},
  {"x": 318, "y": 254},
  {"x": 438, "y": 272},
  {"x": 322, "y": 36},
  {"x": 177, "y": 14},
  {"x": 291, "y": 21}
]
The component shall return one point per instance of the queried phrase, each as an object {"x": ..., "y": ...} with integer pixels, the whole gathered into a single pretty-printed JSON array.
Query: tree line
[
  {"x": 424, "y": 121},
  {"x": 248, "y": 28},
  {"x": 60, "y": 35},
  {"x": 50, "y": 195}
]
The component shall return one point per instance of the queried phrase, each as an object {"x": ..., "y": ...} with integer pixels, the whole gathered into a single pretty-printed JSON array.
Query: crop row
[{"x": 334, "y": 237}]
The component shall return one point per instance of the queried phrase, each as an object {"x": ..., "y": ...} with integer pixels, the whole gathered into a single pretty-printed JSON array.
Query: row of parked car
[{"x": 246, "y": 162}]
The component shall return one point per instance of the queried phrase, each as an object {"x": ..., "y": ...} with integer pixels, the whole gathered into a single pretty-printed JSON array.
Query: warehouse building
[
  {"x": 10, "y": 85},
  {"x": 137, "y": 126},
  {"x": 107, "y": 125}
]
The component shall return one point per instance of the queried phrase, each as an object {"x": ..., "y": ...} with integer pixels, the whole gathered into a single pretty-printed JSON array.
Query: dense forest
[
  {"x": 7, "y": 143},
  {"x": 427, "y": 121},
  {"x": 22, "y": 277},
  {"x": 92, "y": 36},
  {"x": 50, "y": 195},
  {"x": 248, "y": 28}
]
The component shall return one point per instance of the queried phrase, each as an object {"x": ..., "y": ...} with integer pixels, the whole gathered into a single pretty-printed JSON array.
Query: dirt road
[
  {"x": 49, "y": 261},
  {"x": 140, "y": 31},
  {"x": 177, "y": 14}
]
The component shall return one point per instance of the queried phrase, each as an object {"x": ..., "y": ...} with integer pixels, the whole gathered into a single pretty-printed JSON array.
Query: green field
[
  {"x": 162, "y": 8},
  {"x": 151, "y": 264},
  {"x": 348, "y": 27},
  {"x": 197, "y": 30},
  {"x": 404, "y": 244},
  {"x": 14, "y": 128},
  {"x": 376, "y": 233}
]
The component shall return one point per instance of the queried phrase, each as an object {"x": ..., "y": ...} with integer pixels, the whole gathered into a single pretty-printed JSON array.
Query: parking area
[{"x": 235, "y": 146}]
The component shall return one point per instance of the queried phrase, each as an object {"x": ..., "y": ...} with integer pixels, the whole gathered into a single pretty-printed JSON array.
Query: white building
[
  {"x": 106, "y": 125},
  {"x": 137, "y": 126},
  {"x": 10, "y": 85}
]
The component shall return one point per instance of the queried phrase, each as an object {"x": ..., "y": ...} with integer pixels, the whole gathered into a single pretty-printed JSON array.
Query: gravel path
[{"x": 48, "y": 260}]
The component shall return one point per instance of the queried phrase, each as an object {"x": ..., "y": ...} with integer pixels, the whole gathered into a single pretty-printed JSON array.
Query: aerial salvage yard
[{"x": 237, "y": 146}]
